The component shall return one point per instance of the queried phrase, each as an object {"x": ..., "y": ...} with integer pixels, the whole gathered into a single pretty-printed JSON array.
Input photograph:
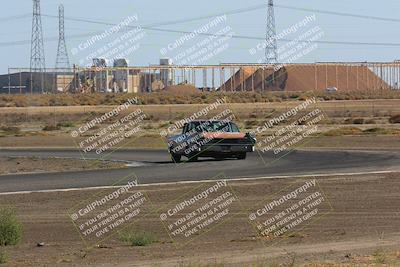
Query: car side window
[
  {"x": 185, "y": 128},
  {"x": 190, "y": 127},
  {"x": 234, "y": 128}
]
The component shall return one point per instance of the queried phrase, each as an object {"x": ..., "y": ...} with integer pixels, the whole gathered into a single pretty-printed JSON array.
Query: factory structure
[
  {"x": 165, "y": 76},
  {"x": 119, "y": 77}
]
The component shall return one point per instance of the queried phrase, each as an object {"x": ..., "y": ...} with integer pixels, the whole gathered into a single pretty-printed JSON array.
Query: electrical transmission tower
[
  {"x": 62, "y": 53},
  {"x": 38, "y": 63},
  {"x": 271, "y": 49}
]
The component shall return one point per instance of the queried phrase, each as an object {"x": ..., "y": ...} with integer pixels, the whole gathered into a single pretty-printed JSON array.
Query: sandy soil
[
  {"x": 370, "y": 142},
  {"x": 10, "y": 165},
  {"x": 358, "y": 224}
]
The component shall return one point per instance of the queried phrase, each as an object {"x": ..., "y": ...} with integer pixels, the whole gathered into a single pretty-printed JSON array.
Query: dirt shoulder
[
  {"x": 358, "y": 224},
  {"x": 11, "y": 165},
  {"x": 371, "y": 142}
]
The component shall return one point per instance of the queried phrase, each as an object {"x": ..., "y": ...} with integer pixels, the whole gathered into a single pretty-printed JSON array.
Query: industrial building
[
  {"x": 23, "y": 82},
  {"x": 120, "y": 78}
]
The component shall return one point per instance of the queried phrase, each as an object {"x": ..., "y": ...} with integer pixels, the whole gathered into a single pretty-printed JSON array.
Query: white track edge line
[{"x": 195, "y": 182}]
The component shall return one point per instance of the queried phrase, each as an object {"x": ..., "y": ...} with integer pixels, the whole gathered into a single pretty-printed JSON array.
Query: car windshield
[{"x": 217, "y": 126}]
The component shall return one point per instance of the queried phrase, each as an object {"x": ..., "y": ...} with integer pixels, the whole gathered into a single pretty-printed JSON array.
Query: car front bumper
[{"x": 227, "y": 148}]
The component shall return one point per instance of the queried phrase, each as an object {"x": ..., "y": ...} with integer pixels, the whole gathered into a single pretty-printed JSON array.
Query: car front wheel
[
  {"x": 242, "y": 155},
  {"x": 176, "y": 158}
]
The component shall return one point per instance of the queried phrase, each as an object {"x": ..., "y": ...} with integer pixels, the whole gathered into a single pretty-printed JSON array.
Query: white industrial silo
[
  {"x": 121, "y": 75},
  {"x": 166, "y": 74}
]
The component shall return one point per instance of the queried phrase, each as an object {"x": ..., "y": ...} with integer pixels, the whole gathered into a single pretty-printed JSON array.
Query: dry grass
[
  {"x": 3, "y": 257},
  {"x": 137, "y": 238},
  {"x": 342, "y": 118},
  {"x": 171, "y": 98},
  {"x": 343, "y": 131},
  {"x": 9, "y": 165},
  {"x": 395, "y": 118}
]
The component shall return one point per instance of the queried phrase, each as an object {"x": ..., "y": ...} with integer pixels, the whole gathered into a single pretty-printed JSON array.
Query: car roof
[{"x": 207, "y": 121}]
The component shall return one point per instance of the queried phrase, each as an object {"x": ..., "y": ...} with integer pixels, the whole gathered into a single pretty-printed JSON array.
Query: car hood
[
  {"x": 208, "y": 135},
  {"x": 223, "y": 135}
]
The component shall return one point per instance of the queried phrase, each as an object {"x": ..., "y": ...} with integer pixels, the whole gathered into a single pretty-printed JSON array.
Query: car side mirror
[{"x": 251, "y": 136}]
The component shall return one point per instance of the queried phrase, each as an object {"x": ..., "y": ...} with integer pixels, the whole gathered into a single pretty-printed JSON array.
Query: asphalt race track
[{"x": 154, "y": 166}]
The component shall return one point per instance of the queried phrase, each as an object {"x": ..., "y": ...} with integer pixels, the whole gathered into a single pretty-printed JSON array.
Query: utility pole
[
  {"x": 271, "y": 49},
  {"x": 62, "y": 61},
  {"x": 38, "y": 62}
]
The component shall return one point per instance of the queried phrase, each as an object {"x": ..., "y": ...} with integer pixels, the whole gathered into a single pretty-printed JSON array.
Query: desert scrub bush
[
  {"x": 198, "y": 264},
  {"x": 354, "y": 121},
  {"x": 65, "y": 124},
  {"x": 49, "y": 128},
  {"x": 382, "y": 131},
  {"x": 149, "y": 126},
  {"x": 344, "y": 131},
  {"x": 358, "y": 121},
  {"x": 395, "y": 118},
  {"x": 379, "y": 256},
  {"x": 10, "y": 228},
  {"x": 137, "y": 239},
  {"x": 3, "y": 257},
  {"x": 11, "y": 130},
  {"x": 250, "y": 123}
]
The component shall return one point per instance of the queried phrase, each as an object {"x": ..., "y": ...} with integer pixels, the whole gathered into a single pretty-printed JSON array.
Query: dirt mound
[
  {"x": 343, "y": 77},
  {"x": 305, "y": 77},
  {"x": 235, "y": 82},
  {"x": 181, "y": 89}
]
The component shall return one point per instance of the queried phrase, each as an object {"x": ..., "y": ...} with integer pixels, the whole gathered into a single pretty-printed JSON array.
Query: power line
[
  {"x": 236, "y": 11},
  {"x": 240, "y": 36},
  {"x": 338, "y": 13},
  {"x": 231, "y": 12},
  {"x": 22, "y": 16},
  {"x": 258, "y": 7},
  {"x": 180, "y": 21},
  {"x": 52, "y": 39}
]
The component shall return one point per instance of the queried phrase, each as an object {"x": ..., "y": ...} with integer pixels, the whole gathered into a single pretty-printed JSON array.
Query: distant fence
[{"x": 341, "y": 76}]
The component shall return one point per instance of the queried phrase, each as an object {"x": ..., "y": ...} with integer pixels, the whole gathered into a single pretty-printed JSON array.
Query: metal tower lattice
[
  {"x": 62, "y": 52},
  {"x": 38, "y": 62},
  {"x": 271, "y": 49}
]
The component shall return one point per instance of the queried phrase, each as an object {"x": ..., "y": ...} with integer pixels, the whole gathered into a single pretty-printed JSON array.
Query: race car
[{"x": 216, "y": 139}]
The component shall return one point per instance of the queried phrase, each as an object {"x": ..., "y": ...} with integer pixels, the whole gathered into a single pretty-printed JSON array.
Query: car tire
[
  {"x": 242, "y": 155},
  {"x": 176, "y": 158},
  {"x": 194, "y": 158}
]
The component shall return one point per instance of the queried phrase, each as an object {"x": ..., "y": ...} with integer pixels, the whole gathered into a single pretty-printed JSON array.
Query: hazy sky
[{"x": 15, "y": 30}]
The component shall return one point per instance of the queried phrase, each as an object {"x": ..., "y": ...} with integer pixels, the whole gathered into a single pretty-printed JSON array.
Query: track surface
[{"x": 154, "y": 166}]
